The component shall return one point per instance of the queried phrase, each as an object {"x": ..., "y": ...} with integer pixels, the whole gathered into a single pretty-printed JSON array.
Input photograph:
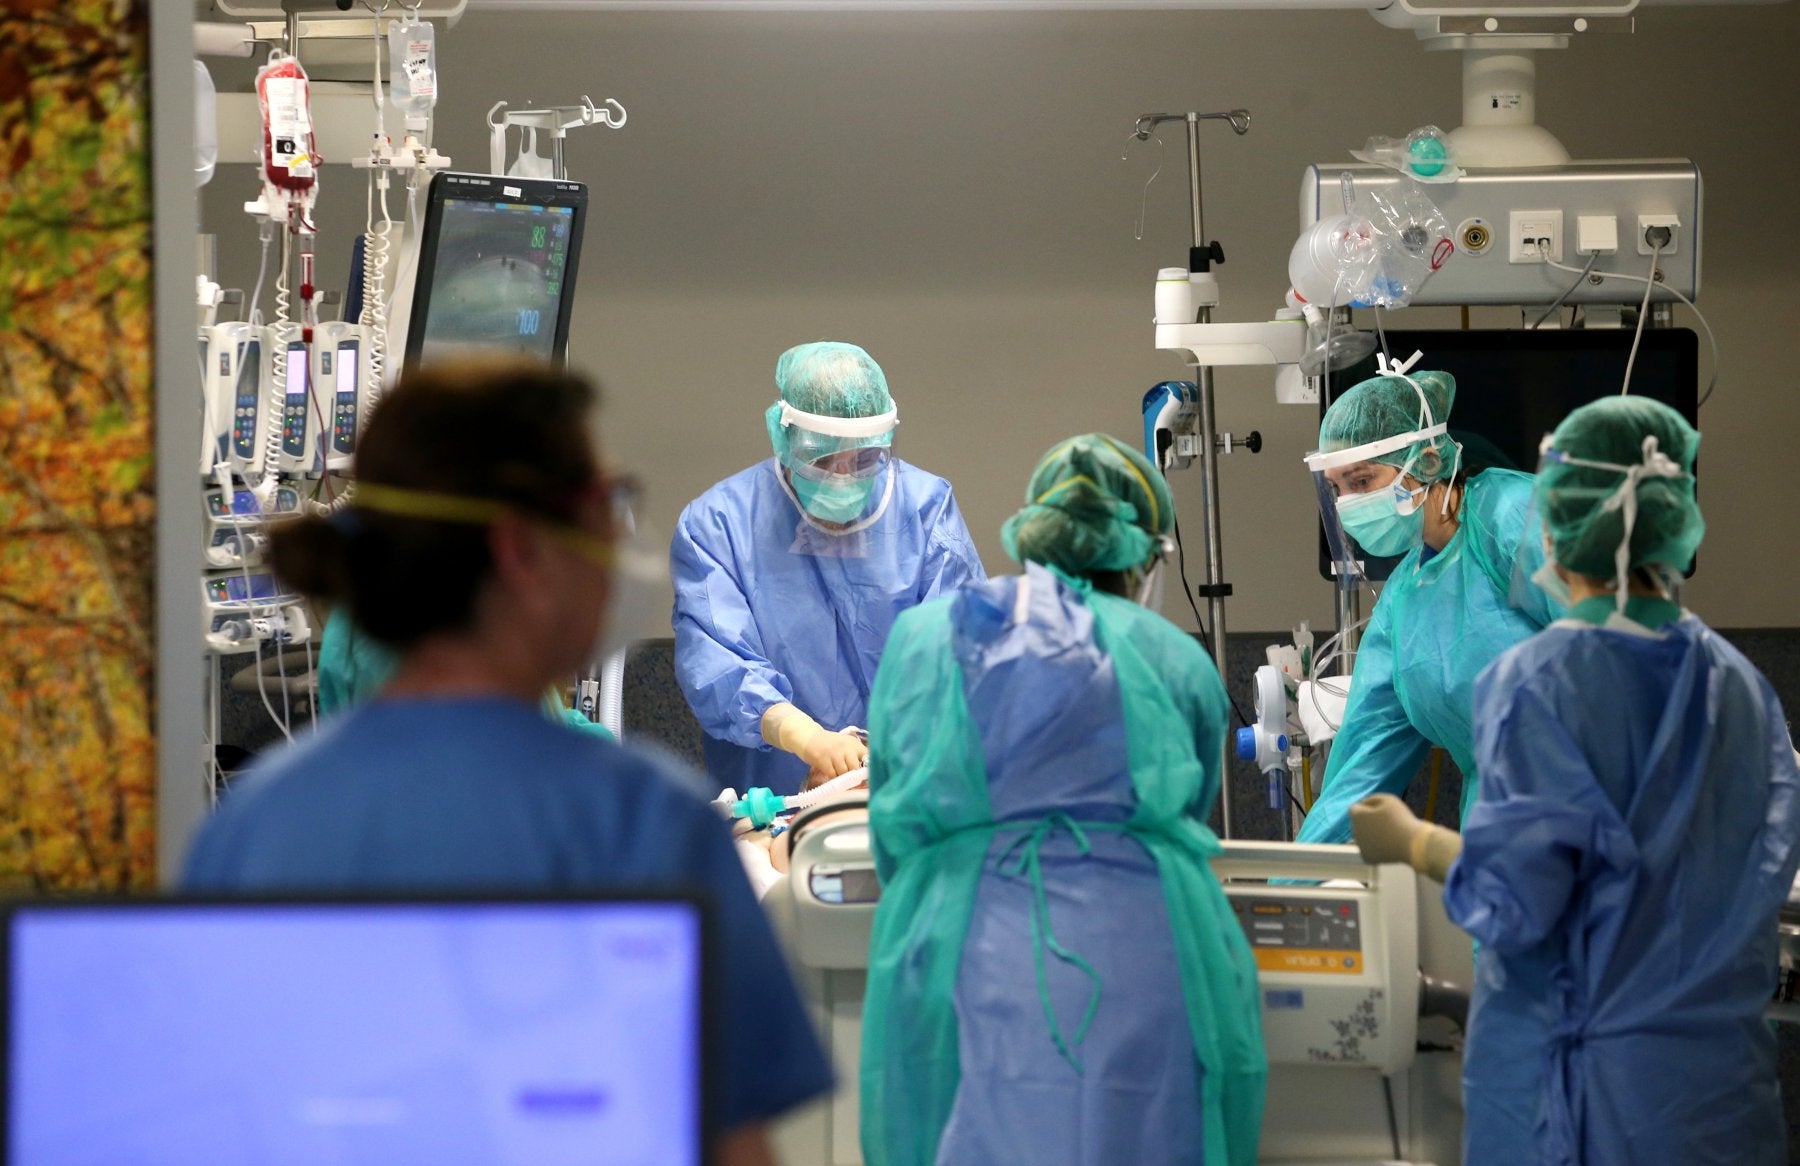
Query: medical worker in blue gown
[
  {"x": 789, "y": 574},
  {"x": 1055, "y": 974},
  {"x": 1392, "y": 479},
  {"x": 480, "y": 546},
  {"x": 1636, "y": 835}
]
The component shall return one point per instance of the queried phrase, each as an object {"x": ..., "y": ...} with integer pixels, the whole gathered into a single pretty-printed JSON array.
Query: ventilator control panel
[{"x": 1321, "y": 936}]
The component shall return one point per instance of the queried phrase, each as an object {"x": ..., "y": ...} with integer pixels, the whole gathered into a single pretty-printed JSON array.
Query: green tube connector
[{"x": 760, "y": 805}]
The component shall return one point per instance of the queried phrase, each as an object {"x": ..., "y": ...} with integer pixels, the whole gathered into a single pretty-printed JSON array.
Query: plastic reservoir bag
[
  {"x": 1412, "y": 240},
  {"x": 1426, "y": 154}
]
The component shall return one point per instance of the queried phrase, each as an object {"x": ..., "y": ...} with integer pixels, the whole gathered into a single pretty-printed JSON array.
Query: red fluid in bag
[{"x": 290, "y": 160}]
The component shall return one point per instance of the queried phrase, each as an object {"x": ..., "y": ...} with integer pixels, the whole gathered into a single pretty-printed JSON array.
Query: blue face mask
[
  {"x": 840, "y": 498},
  {"x": 1379, "y": 523}
]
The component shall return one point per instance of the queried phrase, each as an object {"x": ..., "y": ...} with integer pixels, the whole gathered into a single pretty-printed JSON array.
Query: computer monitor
[
  {"x": 496, "y": 267},
  {"x": 298, "y": 1032},
  {"x": 1514, "y": 386}
]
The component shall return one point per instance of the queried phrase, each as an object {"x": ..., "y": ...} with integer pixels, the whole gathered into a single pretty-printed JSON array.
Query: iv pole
[{"x": 1201, "y": 256}]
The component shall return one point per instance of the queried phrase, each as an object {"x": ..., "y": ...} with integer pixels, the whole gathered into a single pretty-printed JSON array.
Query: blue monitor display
[
  {"x": 497, "y": 264},
  {"x": 291, "y": 1033}
]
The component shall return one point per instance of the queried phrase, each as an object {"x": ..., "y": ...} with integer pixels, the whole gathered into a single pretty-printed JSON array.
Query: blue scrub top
[
  {"x": 484, "y": 794},
  {"x": 770, "y": 608}
]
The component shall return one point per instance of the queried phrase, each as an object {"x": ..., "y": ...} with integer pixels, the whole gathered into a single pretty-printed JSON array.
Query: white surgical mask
[
  {"x": 1551, "y": 583},
  {"x": 640, "y": 602}
]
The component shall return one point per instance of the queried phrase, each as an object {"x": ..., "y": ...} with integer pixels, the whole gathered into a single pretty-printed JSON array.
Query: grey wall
[{"x": 947, "y": 190}]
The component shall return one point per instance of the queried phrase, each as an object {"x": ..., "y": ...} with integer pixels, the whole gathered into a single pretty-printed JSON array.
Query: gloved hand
[
  {"x": 1386, "y": 830},
  {"x": 834, "y": 753},
  {"x": 1384, "y": 826},
  {"x": 786, "y": 727}
]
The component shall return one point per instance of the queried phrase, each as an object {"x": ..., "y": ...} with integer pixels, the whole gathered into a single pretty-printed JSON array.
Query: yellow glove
[
  {"x": 1386, "y": 830},
  {"x": 789, "y": 729}
]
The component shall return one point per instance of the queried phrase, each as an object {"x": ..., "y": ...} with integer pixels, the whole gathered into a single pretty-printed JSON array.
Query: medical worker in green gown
[
  {"x": 1391, "y": 478},
  {"x": 1055, "y": 974}
]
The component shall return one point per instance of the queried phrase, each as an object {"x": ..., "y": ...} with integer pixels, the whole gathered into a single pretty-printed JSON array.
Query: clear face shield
[
  {"x": 1370, "y": 507},
  {"x": 839, "y": 469},
  {"x": 1146, "y": 582}
]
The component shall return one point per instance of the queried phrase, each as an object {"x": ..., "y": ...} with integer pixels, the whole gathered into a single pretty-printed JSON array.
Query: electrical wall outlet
[
  {"x": 1645, "y": 222},
  {"x": 1527, "y": 229}
]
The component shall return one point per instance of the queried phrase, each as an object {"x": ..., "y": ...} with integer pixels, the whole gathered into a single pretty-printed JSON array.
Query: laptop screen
[{"x": 355, "y": 1032}]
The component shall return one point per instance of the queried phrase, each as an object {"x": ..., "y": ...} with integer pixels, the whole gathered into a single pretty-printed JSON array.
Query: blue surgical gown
[
  {"x": 1437, "y": 624},
  {"x": 1044, "y": 762},
  {"x": 1634, "y": 840},
  {"x": 486, "y": 795},
  {"x": 769, "y": 608}
]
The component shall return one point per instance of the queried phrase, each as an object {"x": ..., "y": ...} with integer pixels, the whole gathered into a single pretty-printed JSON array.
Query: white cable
[
  {"x": 1643, "y": 319},
  {"x": 312, "y": 681},
  {"x": 374, "y": 316},
  {"x": 261, "y": 685},
  {"x": 277, "y": 362},
  {"x": 1712, "y": 382},
  {"x": 1567, "y": 292},
  {"x": 263, "y": 690},
  {"x": 266, "y": 233}
]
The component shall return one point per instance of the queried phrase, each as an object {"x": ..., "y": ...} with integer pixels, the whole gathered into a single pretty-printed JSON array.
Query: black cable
[
  {"x": 1387, "y": 1084},
  {"x": 1187, "y": 590},
  {"x": 1186, "y": 587},
  {"x": 1297, "y": 805}
]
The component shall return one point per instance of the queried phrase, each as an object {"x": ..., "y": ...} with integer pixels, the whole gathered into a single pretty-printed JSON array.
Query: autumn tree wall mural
[{"x": 77, "y": 758}]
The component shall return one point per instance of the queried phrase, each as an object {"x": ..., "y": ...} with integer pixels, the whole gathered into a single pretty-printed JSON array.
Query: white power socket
[
  {"x": 1645, "y": 222},
  {"x": 1525, "y": 228}
]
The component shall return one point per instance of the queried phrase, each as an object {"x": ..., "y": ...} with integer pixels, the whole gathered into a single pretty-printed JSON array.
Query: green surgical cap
[
  {"x": 833, "y": 380},
  {"x": 1388, "y": 406},
  {"x": 1094, "y": 504},
  {"x": 1584, "y": 535}
]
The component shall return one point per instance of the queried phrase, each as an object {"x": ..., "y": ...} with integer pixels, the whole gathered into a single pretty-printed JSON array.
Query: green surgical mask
[
  {"x": 840, "y": 498},
  {"x": 1376, "y": 522}
]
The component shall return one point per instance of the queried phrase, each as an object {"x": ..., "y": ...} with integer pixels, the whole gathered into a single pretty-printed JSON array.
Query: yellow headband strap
[
  {"x": 403, "y": 502},
  {"x": 1155, "y": 512},
  {"x": 1150, "y": 494},
  {"x": 407, "y": 503}
]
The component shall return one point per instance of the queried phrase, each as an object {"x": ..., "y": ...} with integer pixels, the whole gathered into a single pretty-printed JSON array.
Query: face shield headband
[
  {"x": 1429, "y": 426},
  {"x": 858, "y": 430}
]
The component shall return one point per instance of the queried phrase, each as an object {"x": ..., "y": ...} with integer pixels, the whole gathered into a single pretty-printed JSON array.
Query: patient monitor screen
[
  {"x": 283, "y": 1033},
  {"x": 496, "y": 267}
]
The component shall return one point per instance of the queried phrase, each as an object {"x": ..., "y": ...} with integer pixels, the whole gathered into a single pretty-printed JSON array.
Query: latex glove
[
  {"x": 833, "y": 754},
  {"x": 1386, "y": 830},
  {"x": 787, "y": 728},
  {"x": 1383, "y": 826}
]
